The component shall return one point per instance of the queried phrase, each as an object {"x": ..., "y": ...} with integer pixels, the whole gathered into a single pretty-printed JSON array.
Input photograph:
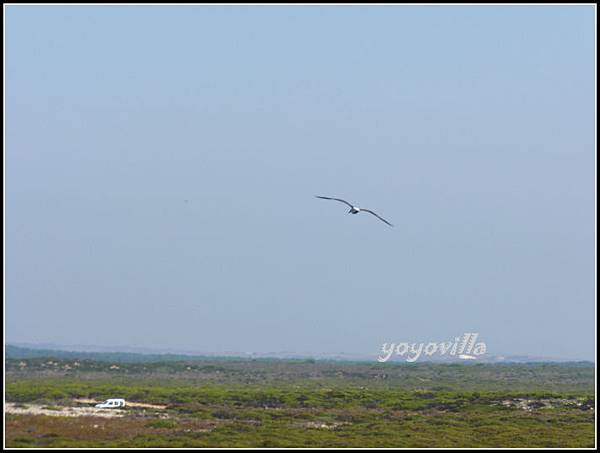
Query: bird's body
[{"x": 355, "y": 209}]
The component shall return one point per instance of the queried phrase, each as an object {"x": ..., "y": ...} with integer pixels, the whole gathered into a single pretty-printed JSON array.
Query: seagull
[{"x": 355, "y": 209}]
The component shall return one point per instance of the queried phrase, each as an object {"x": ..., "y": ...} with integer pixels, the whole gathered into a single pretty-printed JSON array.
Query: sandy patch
[{"x": 61, "y": 411}]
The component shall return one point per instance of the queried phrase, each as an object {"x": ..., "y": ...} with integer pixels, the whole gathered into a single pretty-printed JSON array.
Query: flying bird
[{"x": 355, "y": 209}]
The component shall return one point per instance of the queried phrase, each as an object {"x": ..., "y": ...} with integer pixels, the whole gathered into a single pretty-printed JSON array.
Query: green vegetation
[{"x": 237, "y": 403}]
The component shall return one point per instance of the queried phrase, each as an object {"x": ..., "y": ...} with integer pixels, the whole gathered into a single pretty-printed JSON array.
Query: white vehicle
[{"x": 111, "y": 403}]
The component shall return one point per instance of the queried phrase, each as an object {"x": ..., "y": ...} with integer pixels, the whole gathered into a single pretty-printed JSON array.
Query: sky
[{"x": 162, "y": 162}]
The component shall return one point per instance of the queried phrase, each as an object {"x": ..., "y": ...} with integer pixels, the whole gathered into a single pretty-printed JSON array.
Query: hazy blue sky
[{"x": 162, "y": 163}]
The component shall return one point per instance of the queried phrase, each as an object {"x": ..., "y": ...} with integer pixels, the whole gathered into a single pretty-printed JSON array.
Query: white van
[{"x": 111, "y": 403}]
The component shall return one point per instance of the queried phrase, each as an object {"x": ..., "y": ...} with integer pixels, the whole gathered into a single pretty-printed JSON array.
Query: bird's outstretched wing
[
  {"x": 336, "y": 199},
  {"x": 380, "y": 218}
]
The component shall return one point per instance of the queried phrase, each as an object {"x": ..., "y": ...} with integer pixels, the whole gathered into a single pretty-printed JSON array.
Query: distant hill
[
  {"x": 19, "y": 352},
  {"x": 22, "y": 352},
  {"x": 60, "y": 352}
]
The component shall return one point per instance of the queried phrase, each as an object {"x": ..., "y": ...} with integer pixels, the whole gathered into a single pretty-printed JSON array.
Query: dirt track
[{"x": 128, "y": 403}]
